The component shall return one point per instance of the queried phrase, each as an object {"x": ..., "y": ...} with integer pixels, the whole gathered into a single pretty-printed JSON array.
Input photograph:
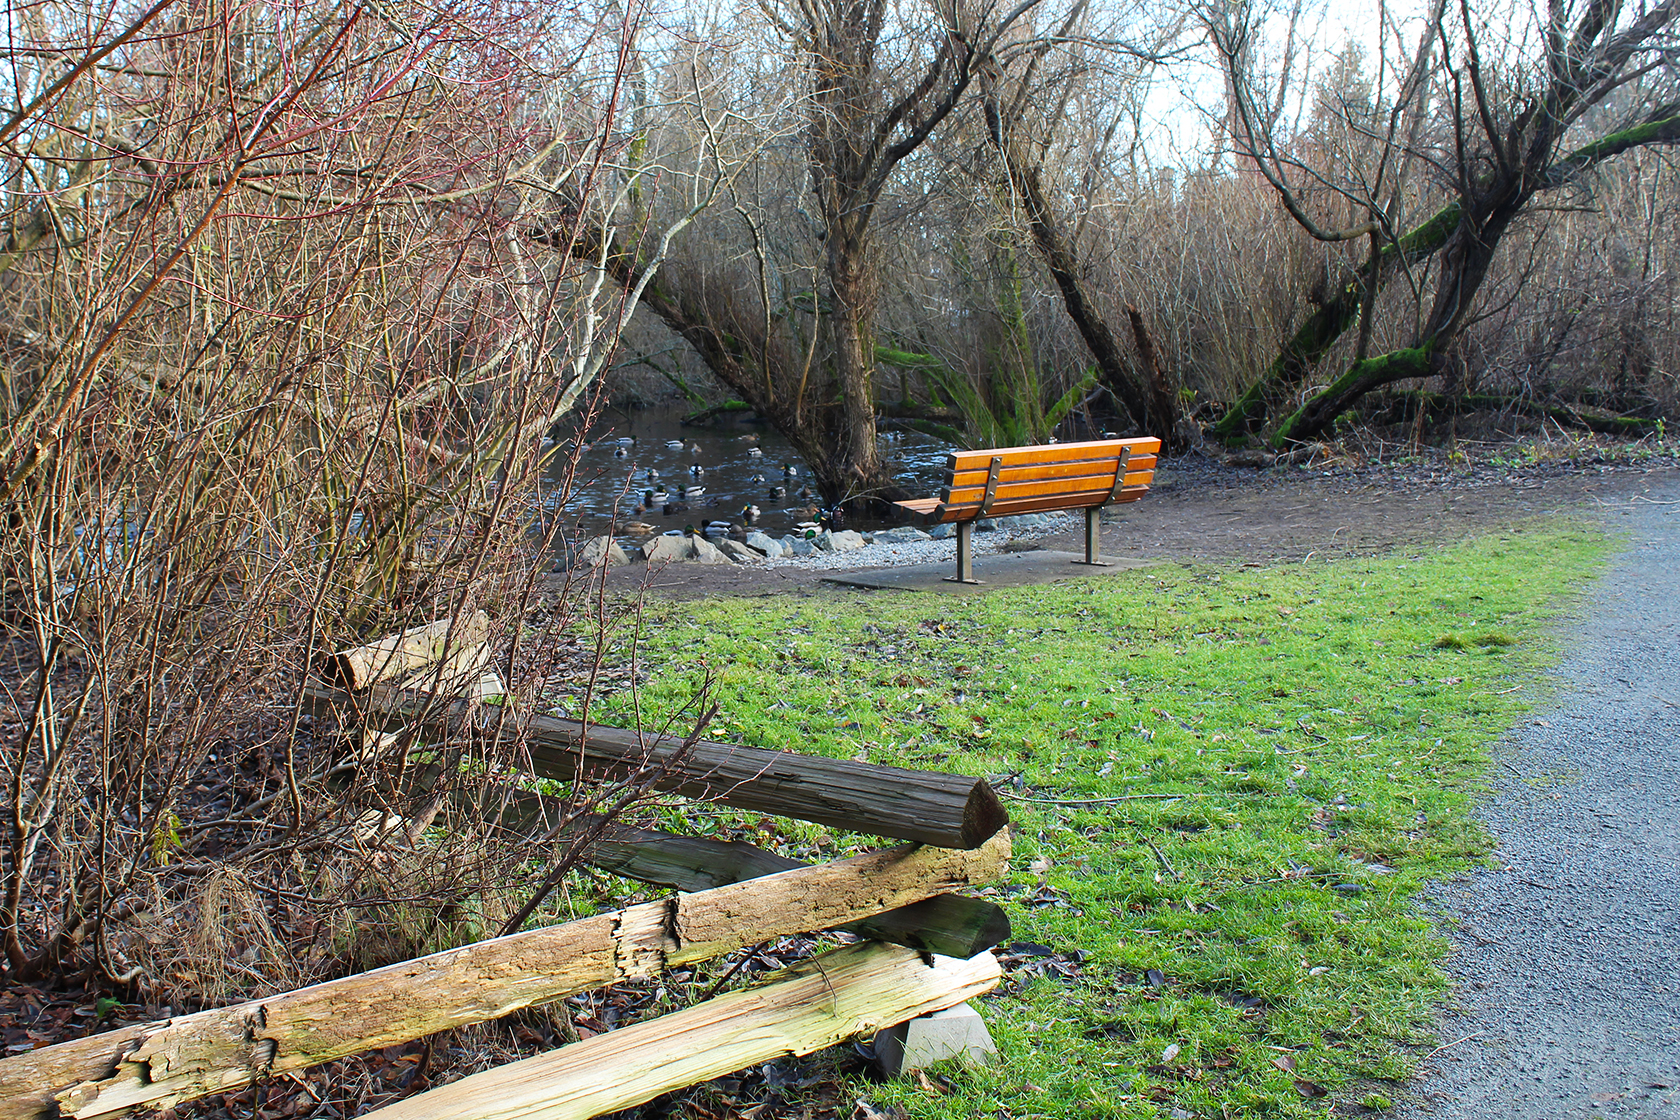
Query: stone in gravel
[
  {"x": 985, "y": 525},
  {"x": 667, "y": 550},
  {"x": 798, "y": 547},
  {"x": 738, "y": 552},
  {"x": 906, "y": 534},
  {"x": 708, "y": 553},
  {"x": 941, "y": 532},
  {"x": 846, "y": 540},
  {"x": 601, "y": 550},
  {"x": 824, "y": 541},
  {"x": 765, "y": 543}
]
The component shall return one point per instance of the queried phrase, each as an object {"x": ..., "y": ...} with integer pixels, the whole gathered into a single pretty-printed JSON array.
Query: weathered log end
[
  {"x": 983, "y": 817},
  {"x": 952, "y": 925},
  {"x": 398, "y": 655}
]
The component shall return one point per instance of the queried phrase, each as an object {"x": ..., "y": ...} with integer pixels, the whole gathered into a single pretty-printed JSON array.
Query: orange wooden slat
[
  {"x": 1027, "y": 472},
  {"x": 967, "y": 511},
  {"x": 1097, "y": 483},
  {"x": 1050, "y": 452}
]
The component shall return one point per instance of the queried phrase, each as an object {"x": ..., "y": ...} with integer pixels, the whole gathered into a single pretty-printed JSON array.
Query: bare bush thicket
[{"x": 278, "y": 348}]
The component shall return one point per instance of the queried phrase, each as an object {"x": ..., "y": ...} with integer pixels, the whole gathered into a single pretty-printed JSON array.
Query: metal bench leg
[
  {"x": 1093, "y": 538},
  {"x": 965, "y": 554}
]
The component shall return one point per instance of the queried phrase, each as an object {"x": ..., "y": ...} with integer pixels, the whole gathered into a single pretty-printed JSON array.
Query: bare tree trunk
[
  {"x": 1148, "y": 401},
  {"x": 853, "y": 470}
]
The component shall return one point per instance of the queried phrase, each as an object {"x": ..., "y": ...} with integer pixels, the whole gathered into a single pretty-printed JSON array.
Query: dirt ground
[{"x": 1203, "y": 509}]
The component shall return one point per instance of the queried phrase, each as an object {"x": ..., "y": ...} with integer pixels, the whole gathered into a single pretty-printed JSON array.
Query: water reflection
[{"x": 655, "y": 471}]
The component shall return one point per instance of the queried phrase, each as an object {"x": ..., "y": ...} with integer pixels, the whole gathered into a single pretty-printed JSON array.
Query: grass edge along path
[{"x": 1228, "y": 783}]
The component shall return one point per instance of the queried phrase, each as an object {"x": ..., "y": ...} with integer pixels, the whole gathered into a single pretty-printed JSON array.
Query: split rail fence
[{"x": 922, "y": 947}]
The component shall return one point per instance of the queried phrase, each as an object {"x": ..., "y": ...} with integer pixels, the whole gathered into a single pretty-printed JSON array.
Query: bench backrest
[{"x": 1045, "y": 477}]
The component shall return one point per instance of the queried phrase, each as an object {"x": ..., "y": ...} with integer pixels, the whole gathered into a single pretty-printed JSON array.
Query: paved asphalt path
[{"x": 1568, "y": 956}]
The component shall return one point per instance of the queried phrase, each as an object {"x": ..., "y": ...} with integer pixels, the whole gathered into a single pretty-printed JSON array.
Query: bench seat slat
[{"x": 1034, "y": 505}]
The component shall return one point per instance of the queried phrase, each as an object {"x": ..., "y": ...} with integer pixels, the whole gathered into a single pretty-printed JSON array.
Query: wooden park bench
[{"x": 1000, "y": 481}]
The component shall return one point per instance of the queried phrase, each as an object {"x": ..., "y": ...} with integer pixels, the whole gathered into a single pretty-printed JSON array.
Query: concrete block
[{"x": 956, "y": 1032}]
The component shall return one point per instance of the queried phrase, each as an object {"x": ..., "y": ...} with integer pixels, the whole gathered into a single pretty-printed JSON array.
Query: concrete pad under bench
[{"x": 1003, "y": 569}]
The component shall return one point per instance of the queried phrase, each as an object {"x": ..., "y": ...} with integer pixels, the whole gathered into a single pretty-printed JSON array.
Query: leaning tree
[{"x": 1562, "y": 92}]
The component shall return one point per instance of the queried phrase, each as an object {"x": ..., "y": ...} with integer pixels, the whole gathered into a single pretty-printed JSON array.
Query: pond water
[{"x": 629, "y": 453}]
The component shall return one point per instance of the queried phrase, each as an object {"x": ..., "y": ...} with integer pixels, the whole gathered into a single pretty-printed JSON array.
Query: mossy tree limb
[
  {"x": 1308, "y": 345},
  {"x": 1360, "y": 378},
  {"x": 1315, "y": 337}
]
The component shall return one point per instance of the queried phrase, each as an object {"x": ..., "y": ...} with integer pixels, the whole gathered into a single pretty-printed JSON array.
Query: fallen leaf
[
  {"x": 1170, "y": 1052},
  {"x": 1285, "y": 1062},
  {"x": 1309, "y": 1090},
  {"x": 927, "y": 1084}
]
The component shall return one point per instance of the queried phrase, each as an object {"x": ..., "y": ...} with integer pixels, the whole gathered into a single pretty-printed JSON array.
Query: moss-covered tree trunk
[{"x": 1149, "y": 403}]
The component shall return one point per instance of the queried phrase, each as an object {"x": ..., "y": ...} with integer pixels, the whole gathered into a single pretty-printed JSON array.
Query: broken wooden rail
[
  {"x": 859, "y": 988},
  {"x": 741, "y": 895},
  {"x": 164, "y": 1063}
]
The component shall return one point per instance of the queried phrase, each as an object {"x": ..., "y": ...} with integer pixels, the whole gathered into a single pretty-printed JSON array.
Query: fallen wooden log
[
  {"x": 928, "y": 807},
  {"x": 164, "y": 1063},
  {"x": 805, "y": 1008},
  {"x": 417, "y": 648}
]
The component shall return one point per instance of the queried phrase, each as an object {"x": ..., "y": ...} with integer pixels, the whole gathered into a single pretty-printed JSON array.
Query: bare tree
[
  {"x": 1028, "y": 89},
  {"x": 789, "y": 323}
]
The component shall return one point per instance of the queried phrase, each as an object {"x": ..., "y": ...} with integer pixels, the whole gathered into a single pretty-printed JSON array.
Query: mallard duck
[
  {"x": 789, "y": 471},
  {"x": 672, "y": 507},
  {"x": 639, "y": 529},
  {"x": 749, "y": 513},
  {"x": 696, "y": 470},
  {"x": 621, "y": 452},
  {"x": 652, "y": 473},
  {"x": 692, "y": 492},
  {"x": 757, "y": 480},
  {"x": 778, "y": 492},
  {"x": 694, "y": 449},
  {"x": 755, "y": 453},
  {"x": 674, "y": 444},
  {"x": 626, "y": 441},
  {"x": 806, "y": 494}
]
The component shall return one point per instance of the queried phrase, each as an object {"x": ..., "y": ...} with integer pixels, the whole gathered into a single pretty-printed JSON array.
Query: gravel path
[{"x": 1568, "y": 955}]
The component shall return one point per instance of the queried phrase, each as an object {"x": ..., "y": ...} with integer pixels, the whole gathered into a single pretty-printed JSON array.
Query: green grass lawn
[{"x": 1228, "y": 785}]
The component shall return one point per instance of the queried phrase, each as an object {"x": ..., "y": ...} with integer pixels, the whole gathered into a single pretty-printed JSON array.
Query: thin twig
[
  {"x": 1446, "y": 1045},
  {"x": 1165, "y": 866},
  {"x": 1093, "y": 800}
]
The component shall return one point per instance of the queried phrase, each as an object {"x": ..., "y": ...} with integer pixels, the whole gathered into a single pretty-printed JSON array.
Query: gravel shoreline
[{"x": 881, "y": 554}]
